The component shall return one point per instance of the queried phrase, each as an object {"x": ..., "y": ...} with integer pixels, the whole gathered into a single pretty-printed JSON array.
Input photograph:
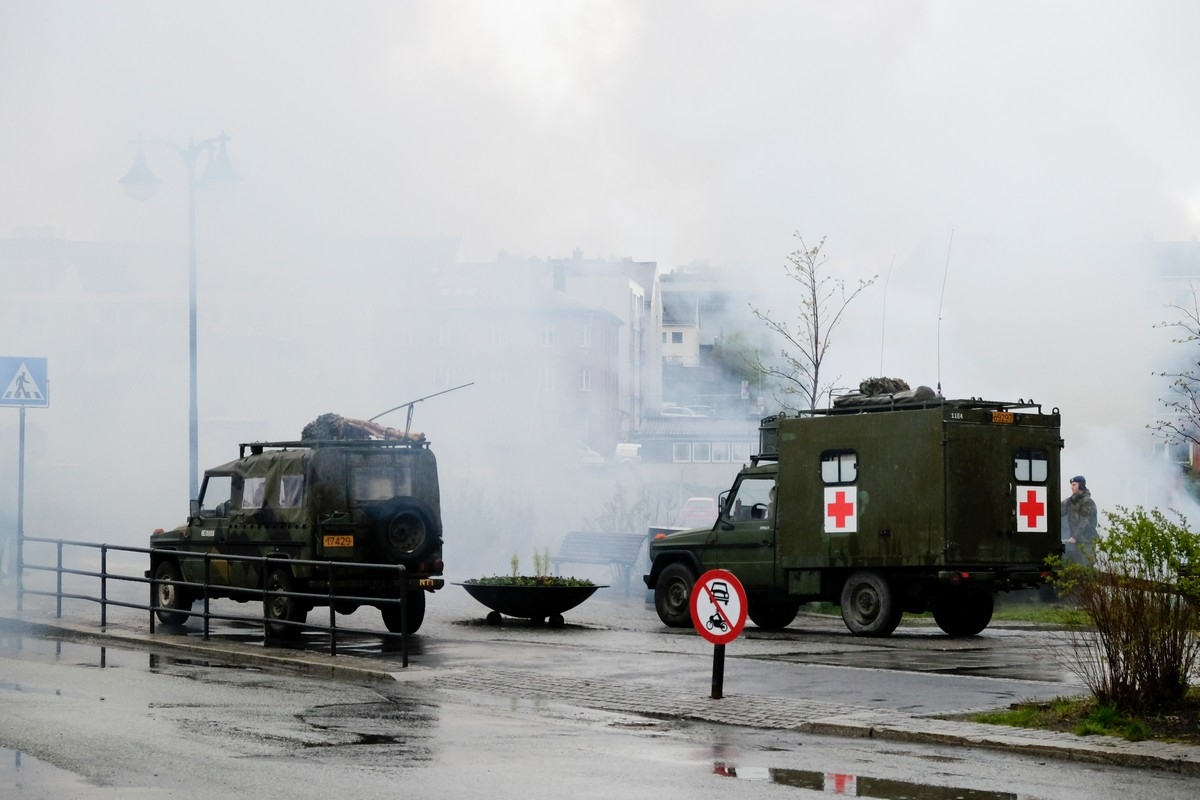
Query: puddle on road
[
  {"x": 21, "y": 773},
  {"x": 845, "y": 784}
]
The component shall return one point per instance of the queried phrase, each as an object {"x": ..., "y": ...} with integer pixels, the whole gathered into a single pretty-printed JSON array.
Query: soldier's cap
[{"x": 1082, "y": 481}]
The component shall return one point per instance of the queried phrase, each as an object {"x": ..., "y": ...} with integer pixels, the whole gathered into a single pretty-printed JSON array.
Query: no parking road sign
[{"x": 719, "y": 606}]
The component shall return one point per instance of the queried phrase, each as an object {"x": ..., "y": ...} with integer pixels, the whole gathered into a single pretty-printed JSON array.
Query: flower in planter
[
  {"x": 529, "y": 580},
  {"x": 541, "y": 565}
]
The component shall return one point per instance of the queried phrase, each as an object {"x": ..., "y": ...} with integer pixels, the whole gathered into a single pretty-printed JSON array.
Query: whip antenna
[
  {"x": 883, "y": 325},
  {"x": 945, "y": 275}
]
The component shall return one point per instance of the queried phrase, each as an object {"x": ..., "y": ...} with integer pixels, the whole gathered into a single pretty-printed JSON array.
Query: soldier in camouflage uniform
[{"x": 1079, "y": 510}]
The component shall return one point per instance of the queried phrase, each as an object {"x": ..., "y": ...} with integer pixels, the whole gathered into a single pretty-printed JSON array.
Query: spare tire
[{"x": 404, "y": 529}]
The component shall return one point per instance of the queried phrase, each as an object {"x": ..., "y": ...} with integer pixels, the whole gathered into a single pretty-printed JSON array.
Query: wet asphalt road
[{"x": 522, "y": 710}]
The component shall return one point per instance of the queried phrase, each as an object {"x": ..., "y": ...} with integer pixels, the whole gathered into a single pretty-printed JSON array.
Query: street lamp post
[{"x": 140, "y": 183}]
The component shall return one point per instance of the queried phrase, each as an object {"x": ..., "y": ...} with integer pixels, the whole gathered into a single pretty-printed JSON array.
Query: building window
[
  {"x": 720, "y": 452},
  {"x": 546, "y": 382},
  {"x": 739, "y": 452},
  {"x": 497, "y": 336},
  {"x": 681, "y": 452},
  {"x": 585, "y": 379},
  {"x": 548, "y": 336},
  {"x": 585, "y": 334},
  {"x": 701, "y": 451},
  {"x": 676, "y": 337},
  {"x": 664, "y": 337},
  {"x": 444, "y": 338}
]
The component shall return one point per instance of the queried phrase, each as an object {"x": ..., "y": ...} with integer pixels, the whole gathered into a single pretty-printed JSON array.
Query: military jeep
[{"x": 354, "y": 503}]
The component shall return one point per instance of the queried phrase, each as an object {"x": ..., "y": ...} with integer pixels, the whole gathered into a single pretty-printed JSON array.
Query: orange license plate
[
  {"x": 1003, "y": 417},
  {"x": 339, "y": 541}
]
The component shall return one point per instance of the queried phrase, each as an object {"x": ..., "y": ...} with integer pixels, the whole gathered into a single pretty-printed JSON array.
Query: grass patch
[
  {"x": 1040, "y": 612},
  {"x": 1083, "y": 717}
]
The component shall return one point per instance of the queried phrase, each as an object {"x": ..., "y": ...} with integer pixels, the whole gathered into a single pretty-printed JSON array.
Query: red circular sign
[{"x": 719, "y": 606}]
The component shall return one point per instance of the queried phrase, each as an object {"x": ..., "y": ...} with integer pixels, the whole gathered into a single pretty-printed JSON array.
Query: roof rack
[{"x": 256, "y": 448}]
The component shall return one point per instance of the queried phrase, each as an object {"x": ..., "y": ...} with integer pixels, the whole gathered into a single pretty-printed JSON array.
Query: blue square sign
[{"x": 23, "y": 382}]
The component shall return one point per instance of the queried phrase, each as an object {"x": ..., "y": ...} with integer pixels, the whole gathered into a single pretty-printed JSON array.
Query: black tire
[
  {"x": 965, "y": 613},
  {"x": 278, "y": 609},
  {"x": 772, "y": 615},
  {"x": 672, "y": 595},
  {"x": 416, "y": 613},
  {"x": 404, "y": 529},
  {"x": 173, "y": 600},
  {"x": 869, "y": 606}
]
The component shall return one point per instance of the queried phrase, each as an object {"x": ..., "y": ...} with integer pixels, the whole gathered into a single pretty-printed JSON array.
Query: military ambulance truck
[
  {"x": 346, "y": 501},
  {"x": 882, "y": 505}
]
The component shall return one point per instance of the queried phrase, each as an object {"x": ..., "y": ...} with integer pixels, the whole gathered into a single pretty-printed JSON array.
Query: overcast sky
[{"x": 991, "y": 161}]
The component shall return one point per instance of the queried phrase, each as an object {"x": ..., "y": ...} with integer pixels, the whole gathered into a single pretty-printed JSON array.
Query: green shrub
[{"x": 1141, "y": 592}]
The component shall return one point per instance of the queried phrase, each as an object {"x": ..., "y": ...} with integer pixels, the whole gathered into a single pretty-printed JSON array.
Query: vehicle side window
[
  {"x": 839, "y": 467},
  {"x": 291, "y": 491},
  {"x": 1031, "y": 466},
  {"x": 752, "y": 499},
  {"x": 254, "y": 493}
]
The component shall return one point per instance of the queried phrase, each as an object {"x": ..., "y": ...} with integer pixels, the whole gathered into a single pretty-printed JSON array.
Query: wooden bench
[{"x": 618, "y": 550}]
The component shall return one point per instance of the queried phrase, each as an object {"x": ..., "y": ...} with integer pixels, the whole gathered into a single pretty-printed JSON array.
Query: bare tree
[
  {"x": 807, "y": 340},
  {"x": 1182, "y": 425}
]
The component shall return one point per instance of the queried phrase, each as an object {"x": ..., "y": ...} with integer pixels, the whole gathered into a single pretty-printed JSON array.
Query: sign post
[
  {"x": 23, "y": 383},
  {"x": 718, "y": 605}
]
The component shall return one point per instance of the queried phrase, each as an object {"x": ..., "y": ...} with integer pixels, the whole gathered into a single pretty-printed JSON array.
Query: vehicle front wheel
[
  {"x": 173, "y": 601},
  {"x": 280, "y": 608},
  {"x": 672, "y": 595},
  {"x": 965, "y": 613},
  {"x": 772, "y": 615},
  {"x": 869, "y": 606},
  {"x": 416, "y": 613}
]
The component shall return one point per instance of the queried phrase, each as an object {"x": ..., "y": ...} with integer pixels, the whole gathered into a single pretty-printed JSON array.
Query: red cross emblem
[
  {"x": 841, "y": 511},
  {"x": 1031, "y": 509}
]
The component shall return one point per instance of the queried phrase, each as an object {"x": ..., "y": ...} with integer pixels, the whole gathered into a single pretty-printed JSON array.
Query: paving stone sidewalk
[{"x": 814, "y": 716}]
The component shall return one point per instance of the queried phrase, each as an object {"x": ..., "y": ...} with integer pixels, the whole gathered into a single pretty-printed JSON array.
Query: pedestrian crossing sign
[{"x": 23, "y": 382}]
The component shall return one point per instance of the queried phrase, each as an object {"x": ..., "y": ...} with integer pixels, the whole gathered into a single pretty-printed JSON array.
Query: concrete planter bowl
[{"x": 537, "y": 599}]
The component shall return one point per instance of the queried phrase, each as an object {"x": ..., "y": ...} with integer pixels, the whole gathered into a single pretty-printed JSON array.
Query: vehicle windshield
[{"x": 216, "y": 493}]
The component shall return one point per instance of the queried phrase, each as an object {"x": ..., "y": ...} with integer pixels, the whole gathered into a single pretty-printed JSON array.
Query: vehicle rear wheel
[
  {"x": 173, "y": 601},
  {"x": 869, "y": 606},
  {"x": 278, "y": 608},
  {"x": 964, "y": 613},
  {"x": 672, "y": 594},
  {"x": 772, "y": 615},
  {"x": 416, "y": 613}
]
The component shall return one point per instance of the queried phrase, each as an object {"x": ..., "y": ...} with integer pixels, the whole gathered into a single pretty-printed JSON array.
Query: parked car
[
  {"x": 703, "y": 411},
  {"x": 699, "y": 512},
  {"x": 627, "y": 453},
  {"x": 677, "y": 411}
]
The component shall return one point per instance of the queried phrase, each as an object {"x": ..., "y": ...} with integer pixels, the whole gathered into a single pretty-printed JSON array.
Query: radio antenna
[
  {"x": 409, "y": 405},
  {"x": 883, "y": 324},
  {"x": 941, "y": 300}
]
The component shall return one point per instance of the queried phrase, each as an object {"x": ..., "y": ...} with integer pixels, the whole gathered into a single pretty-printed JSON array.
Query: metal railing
[{"x": 205, "y": 590}]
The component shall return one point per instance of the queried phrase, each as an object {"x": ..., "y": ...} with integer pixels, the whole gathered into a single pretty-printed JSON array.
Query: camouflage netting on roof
[
  {"x": 334, "y": 426},
  {"x": 874, "y": 386}
]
